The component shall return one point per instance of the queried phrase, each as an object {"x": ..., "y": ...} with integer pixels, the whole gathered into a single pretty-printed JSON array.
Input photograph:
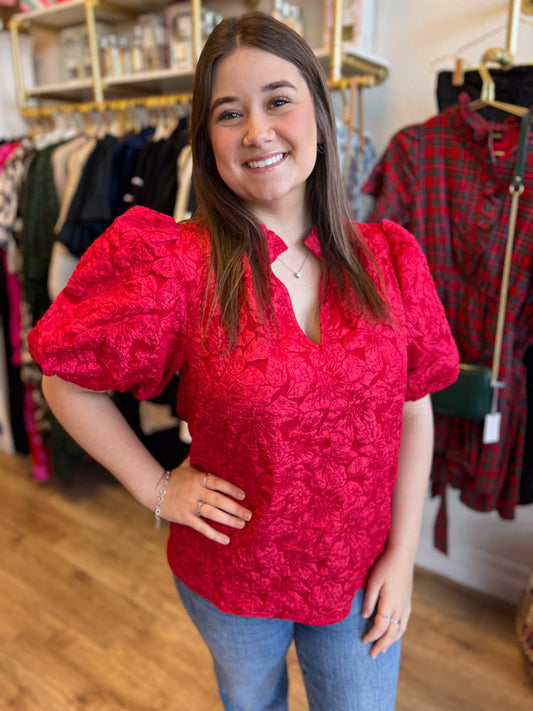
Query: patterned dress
[{"x": 446, "y": 180}]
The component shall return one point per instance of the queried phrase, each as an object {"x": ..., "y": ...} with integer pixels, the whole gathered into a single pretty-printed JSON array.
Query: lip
[{"x": 265, "y": 162}]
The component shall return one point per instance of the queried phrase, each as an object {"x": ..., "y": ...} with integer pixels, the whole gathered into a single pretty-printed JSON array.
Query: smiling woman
[
  {"x": 297, "y": 515},
  {"x": 263, "y": 133},
  {"x": 225, "y": 213}
]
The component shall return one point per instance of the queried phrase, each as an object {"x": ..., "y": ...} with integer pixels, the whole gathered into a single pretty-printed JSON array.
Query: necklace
[{"x": 296, "y": 274}]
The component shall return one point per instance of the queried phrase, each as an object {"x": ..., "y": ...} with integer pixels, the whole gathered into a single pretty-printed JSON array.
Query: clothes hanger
[
  {"x": 487, "y": 97},
  {"x": 505, "y": 58}
]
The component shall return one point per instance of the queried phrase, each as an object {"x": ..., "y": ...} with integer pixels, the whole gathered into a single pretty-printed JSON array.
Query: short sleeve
[
  {"x": 432, "y": 355},
  {"x": 119, "y": 323}
]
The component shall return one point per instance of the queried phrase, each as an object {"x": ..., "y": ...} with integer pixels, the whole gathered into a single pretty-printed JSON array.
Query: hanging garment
[
  {"x": 90, "y": 211},
  {"x": 51, "y": 449},
  {"x": 357, "y": 156},
  {"x": 67, "y": 192},
  {"x": 13, "y": 436},
  {"x": 6, "y": 149},
  {"x": 160, "y": 175},
  {"x": 73, "y": 166},
  {"x": 446, "y": 180},
  {"x": 124, "y": 165},
  {"x": 11, "y": 177},
  {"x": 60, "y": 162},
  {"x": 12, "y": 430},
  {"x": 514, "y": 86},
  {"x": 39, "y": 210}
]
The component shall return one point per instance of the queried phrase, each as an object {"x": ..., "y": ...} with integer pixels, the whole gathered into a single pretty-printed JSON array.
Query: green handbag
[
  {"x": 475, "y": 392},
  {"x": 470, "y": 397}
]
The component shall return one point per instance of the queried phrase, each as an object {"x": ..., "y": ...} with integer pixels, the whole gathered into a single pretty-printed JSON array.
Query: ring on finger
[
  {"x": 199, "y": 508},
  {"x": 385, "y": 617},
  {"x": 204, "y": 483},
  {"x": 396, "y": 622}
]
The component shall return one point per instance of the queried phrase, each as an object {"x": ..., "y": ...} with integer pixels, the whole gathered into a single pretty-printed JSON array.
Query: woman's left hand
[{"x": 388, "y": 598}]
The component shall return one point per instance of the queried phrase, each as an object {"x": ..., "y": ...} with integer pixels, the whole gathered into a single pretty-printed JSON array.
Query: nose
[{"x": 257, "y": 131}]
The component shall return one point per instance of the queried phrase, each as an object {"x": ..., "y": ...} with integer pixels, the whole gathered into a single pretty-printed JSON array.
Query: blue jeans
[{"x": 249, "y": 654}]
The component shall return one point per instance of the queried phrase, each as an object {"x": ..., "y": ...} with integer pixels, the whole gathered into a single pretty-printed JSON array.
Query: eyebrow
[{"x": 272, "y": 86}]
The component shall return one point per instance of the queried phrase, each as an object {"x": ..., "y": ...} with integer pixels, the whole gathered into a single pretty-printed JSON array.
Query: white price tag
[{"x": 491, "y": 428}]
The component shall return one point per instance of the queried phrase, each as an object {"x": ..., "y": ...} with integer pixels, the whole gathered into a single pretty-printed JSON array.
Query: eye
[
  {"x": 279, "y": 101},
  {"x": 227, "y": 115}
]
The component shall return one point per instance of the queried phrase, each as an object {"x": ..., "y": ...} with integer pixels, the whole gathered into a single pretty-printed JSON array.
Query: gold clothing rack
[
  {"x": 148, "y": 102},
  {"x": 166, "y": 100}
]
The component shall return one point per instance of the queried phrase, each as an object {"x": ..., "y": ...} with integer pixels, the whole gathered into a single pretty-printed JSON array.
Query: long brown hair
[{"x": 234, "y": 230}]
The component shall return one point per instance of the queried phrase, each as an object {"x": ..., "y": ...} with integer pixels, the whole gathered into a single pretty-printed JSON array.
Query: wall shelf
[{"x": 338, "y": 62}]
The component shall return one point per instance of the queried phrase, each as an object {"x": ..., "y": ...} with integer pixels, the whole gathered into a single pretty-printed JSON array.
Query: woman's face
[{"x": 263, "y": 130}]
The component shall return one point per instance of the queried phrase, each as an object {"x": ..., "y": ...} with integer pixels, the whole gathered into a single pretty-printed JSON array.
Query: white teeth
[{"x": 265, "y": 163}]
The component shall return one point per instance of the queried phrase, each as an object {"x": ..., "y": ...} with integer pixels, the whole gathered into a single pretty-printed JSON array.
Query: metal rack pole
[
  {"x": 196, "y": 10},
  {"x": 92, "y": 39},
  {"x": 17, "y": 62},
  {"x": 511, "y": 43},
  {"x": 335, "y": 61}
]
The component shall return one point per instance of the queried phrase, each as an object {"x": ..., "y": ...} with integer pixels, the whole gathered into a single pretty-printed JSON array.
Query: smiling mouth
[{"x": 265, "y": 163}]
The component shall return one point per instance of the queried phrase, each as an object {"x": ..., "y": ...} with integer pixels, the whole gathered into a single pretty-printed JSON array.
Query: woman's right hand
[{"x": 194, "y": 497}]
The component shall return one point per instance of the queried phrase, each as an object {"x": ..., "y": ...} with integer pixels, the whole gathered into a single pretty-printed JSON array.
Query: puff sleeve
[
  {"x": 119, "y": 323},
  {"x": 432, "y": 355}
]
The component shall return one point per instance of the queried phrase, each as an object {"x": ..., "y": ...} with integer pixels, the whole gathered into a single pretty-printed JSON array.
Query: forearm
[
  {"x": 92, "y": 419},
  {"x": 416, "y": 452},
  {"x": 390, "y": 581}
]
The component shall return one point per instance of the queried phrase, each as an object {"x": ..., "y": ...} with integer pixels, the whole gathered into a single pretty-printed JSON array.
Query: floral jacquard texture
[{"x": 310, "y": 431}]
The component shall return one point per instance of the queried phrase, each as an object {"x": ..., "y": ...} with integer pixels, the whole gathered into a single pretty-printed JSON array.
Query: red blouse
[{"x": 310, "y": 432}]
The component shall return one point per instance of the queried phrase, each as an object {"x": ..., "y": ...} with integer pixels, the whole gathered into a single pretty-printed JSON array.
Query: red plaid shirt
[{"x": 447, "y": 182}]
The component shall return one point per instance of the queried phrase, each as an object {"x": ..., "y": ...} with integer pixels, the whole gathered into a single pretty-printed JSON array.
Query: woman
[{"x": 307, "y": 349}]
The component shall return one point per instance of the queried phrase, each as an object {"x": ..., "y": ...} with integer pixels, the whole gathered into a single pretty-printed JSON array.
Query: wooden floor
[{"x": 89, "y": 618}]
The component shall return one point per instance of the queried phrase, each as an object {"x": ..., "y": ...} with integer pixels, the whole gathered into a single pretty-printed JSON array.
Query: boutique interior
[{"x": 433, "y": 104}]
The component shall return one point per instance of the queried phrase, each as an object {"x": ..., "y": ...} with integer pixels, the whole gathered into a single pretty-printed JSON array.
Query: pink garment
[
  {"x": 310, "y": 432},
  {"x": 40, "y": 456},
  {"x": 6, "y": 149},
  {"x": 14, "y": 294},
  {"x": 14, "y": 291}
]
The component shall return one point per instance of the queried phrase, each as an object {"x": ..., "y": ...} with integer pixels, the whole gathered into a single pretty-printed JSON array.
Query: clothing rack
[
  {"x": 362, "y": 80},
  {"x": 148, "y": 102},
  {"x": 165, "y": 100}
]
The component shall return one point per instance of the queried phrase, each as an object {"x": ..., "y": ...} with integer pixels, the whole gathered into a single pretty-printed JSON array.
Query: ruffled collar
[
  {"x": 481, "y": 126},
  {"x": 277, "y": 246}
]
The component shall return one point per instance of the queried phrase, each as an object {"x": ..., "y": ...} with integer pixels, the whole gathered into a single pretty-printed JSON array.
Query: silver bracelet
[{"x": 161, "y": 498}]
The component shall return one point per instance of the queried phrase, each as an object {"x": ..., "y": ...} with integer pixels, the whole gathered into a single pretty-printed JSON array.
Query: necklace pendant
[{"x": 297, "y": 274}]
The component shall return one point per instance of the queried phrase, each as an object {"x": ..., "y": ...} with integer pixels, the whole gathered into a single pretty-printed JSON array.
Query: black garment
[
  {"x": 512, "y": 86},
  {"x": 124, "y": 168},
  {"x": 134, "y": 192},
  {"x": 161, "y": 171},
  {"x": 90, "y": 211}
]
